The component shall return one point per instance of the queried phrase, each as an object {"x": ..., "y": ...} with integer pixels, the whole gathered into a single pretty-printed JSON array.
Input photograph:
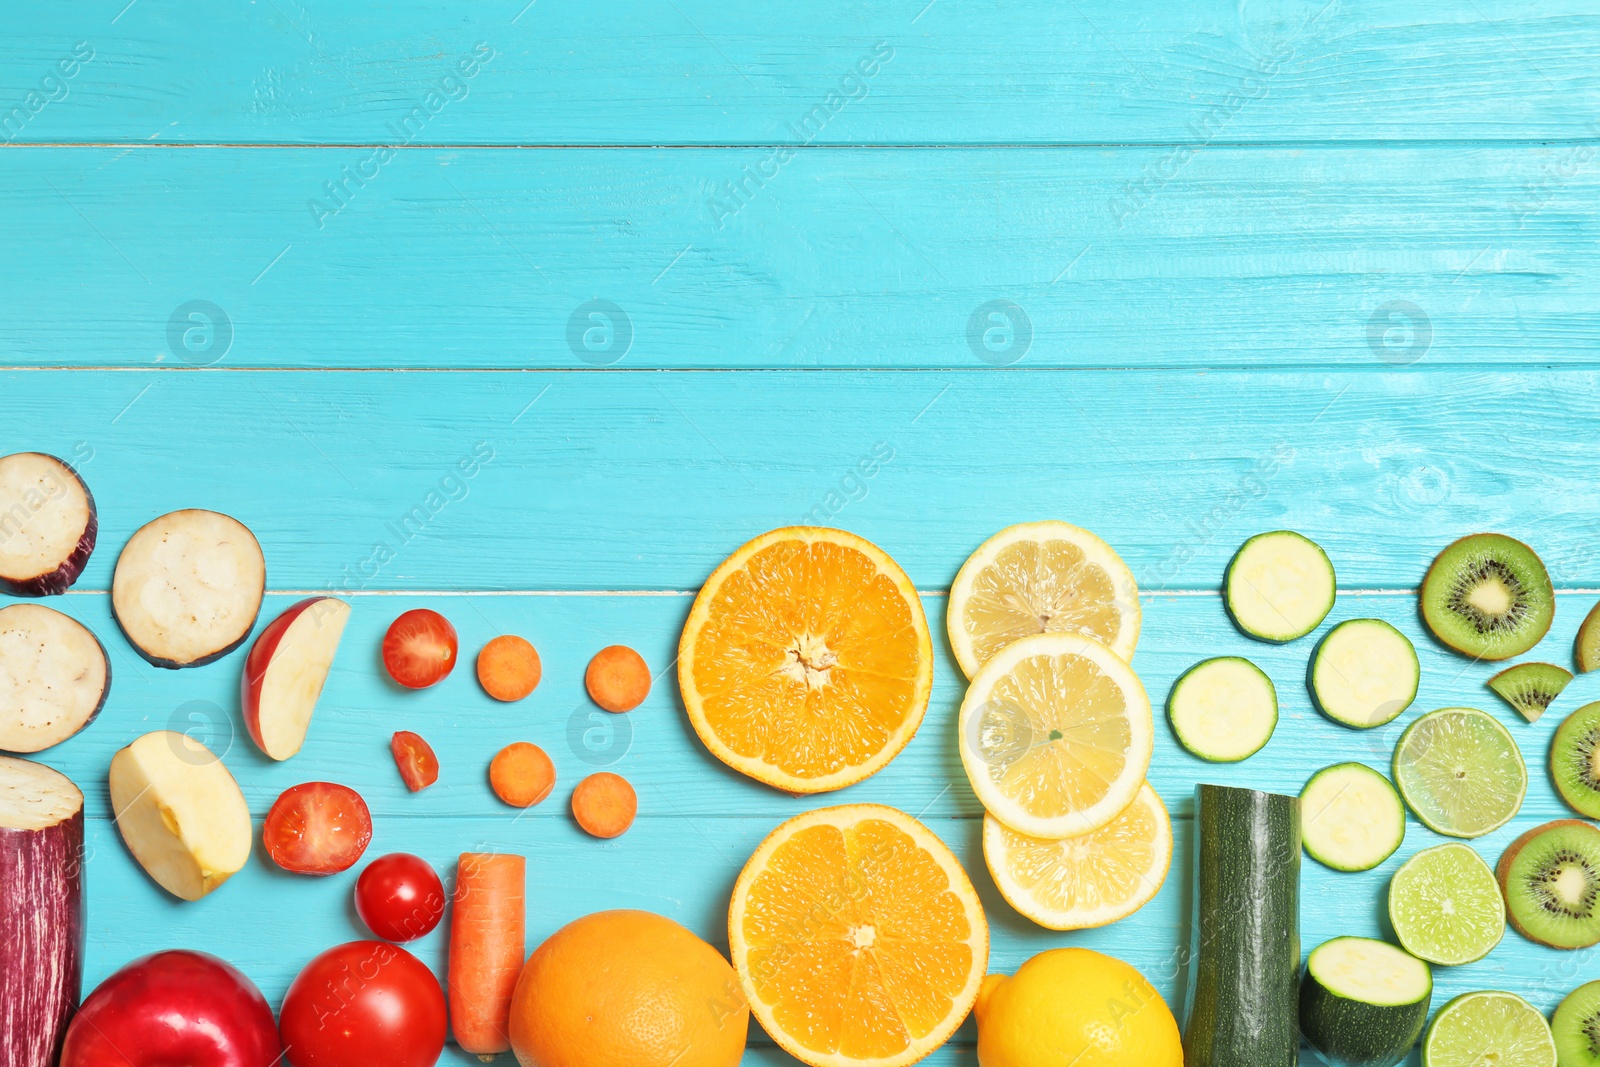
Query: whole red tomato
[
  {"x": 420, "y": 648},
  {"x": 360, "y": 1004},
  {"x": 399, "y": 897}
]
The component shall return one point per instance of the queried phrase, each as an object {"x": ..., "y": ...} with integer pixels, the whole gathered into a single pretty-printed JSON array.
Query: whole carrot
[{"x": 486, "y": 949}]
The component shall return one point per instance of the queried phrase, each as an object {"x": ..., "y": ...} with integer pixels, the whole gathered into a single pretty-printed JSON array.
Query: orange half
[
  {"x": 806, "y": 661},
  {"x": 857, "y": 938}
]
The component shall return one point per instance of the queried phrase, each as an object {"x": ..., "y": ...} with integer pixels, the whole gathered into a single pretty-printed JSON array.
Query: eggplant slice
[
  {"x": 41, "y": 909},
  {"x": 188, "y": 588},
  {"x": 54, "y": 677},
  {"x": 47, "y": 525}
]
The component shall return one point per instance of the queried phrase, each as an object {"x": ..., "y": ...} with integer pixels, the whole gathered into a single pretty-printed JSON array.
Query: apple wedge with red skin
[
  {"x": 171, "y": 1008},
  {"x": 285, "y": 672}
]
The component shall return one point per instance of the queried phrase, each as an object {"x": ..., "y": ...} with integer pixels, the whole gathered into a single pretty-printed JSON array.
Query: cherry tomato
[
  {"x": 363, "y": 1003},
  {"x": 420, "y": 648},
  {"x": 399, "y": 897},
  {"x": 317, "y": 828},
  {"x": 419, "y": 767}
]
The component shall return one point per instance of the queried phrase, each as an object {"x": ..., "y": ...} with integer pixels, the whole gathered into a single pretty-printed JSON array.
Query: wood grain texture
[
  {"x": 705, "y": 72},
  {"x": 1261, "y": 256},
  {"x": 698, "y": 822},
  {"x": 647, "y": 481}
]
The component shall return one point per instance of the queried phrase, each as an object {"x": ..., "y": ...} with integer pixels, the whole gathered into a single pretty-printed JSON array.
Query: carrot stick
[{"x": 486, "y": 949}]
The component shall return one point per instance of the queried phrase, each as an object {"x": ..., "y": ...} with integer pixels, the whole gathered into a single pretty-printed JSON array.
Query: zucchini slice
[
  {"x": 1223, "y": 709},
  {"x": 1364, "y": 673},
  {"x": 1351, "y": 817},
  {"x": 1280, "y": 586},
  {"x": 1363, "y": 1003},
  {"x": 1244, "y": 968}
]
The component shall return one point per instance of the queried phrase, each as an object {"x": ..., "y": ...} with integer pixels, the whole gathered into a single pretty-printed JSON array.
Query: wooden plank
[
  {"x": 647, "y": 481},
  {"x": 700, "y": 72},
  {"x": 698, "y": 823},
  {"x": 655, "y": 747},
  {"x": 1361, "y": 257}
]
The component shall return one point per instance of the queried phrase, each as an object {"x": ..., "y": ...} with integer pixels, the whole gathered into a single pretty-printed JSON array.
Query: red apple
[
  {"x": 175, "y": 1007},
  {"x": 285, "y": 672}
]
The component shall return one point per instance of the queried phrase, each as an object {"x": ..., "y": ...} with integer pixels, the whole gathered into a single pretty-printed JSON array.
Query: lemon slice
[
  {"x": 1056, "y": 735},
  {"x": 1079, "y": 882},
  {"x": 1041, "y": 577}
]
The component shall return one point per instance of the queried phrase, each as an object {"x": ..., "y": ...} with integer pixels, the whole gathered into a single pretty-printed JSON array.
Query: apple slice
[
  {"x": 47, "y": 525},
  {"x": 285, "y": 672},
  {"x": 180, "y": 812}
]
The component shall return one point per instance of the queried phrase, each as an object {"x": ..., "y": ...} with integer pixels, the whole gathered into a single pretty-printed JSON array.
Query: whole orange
[{"x": 627, "y": 989}]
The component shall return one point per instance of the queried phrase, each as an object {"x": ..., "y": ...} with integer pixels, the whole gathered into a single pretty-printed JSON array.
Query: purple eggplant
[{"x": 41, "y": 910}]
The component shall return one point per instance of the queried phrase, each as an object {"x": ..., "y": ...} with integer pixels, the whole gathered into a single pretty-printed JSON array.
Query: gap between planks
[
  {"x": 1577, "y": 366},
  {"x": 843, "y": 146}
]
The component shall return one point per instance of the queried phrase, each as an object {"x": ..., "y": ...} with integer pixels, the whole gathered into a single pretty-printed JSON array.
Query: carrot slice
[
  {"x": 604, "y": 804},
  {"x": 617, "y": 678},
  {"x": 508, "y": 668},
  {"x": 521, "y": 774},
  {"x": 487, "y": 933}
]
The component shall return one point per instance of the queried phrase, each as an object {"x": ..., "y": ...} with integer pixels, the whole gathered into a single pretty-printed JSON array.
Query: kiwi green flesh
[
  {"x": 1488, "y": 596},
  {"x": 1575, "y": 760},
  {"x": 1587, "y": 651},
  {"x": 1576, "y": 1027},
  {"x": 1550, "y": 877},
  {"x": 1530, "y": 688}
]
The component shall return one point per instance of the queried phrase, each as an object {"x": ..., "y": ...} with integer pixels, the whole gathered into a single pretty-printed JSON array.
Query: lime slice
[
  {"x": 1445, "y": 905},
  {"x": 1488, "y": 1027},
  {"x": 1460, "y": 772}
]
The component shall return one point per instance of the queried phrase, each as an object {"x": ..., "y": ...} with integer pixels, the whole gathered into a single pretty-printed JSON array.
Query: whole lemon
[
  {"x": 627, "y": 989},
  {"x": 1073, "y": 1006}
]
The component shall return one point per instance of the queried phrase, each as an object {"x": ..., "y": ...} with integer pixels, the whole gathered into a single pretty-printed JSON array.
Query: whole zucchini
[{"x": 1244, "y": 962}]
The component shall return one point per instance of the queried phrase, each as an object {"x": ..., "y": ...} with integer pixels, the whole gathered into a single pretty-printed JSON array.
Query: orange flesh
[
  {"x": 856, "y": 940},
  {"x": 521, "y": 774},
  {"x": 604, "y": 804},
  {"x": 617, "y": 679},
  {"x": 809, "y": 660},
  {"x": 509, "y": 668}
]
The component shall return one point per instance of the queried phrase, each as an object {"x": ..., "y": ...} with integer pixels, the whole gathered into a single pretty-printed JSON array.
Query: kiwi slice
[
  {"x": 1488, "y": 596},
  {"x": 1575, "y": 760},
  {"x": 1531, "y": 687},
  {"x": 1587, "y": 650},
  {"x": 1576, "y": 1027},
  {"x": 1550, "y": 877}
]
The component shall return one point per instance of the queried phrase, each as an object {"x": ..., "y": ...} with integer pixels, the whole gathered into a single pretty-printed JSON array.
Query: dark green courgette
[
  {"x": 1244, "y": 963},
  {"x": 1363, "y": 1003}
]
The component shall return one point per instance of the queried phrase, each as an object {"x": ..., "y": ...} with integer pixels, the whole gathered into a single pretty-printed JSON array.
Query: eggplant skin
[
  {"x": 42, "y": 931},
  {"x": 60, "y": 580},
  {"x": 174, "y": 665}
]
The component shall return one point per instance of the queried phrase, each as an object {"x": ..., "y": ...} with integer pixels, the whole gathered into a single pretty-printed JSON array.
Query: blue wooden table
[{"x": 1178, "y": 274}]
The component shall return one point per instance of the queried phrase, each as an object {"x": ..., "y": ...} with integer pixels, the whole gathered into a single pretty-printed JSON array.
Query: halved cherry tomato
[
  {"x": 400, "y": 897},
  {"x": 419, "y": 767},
  {"x": 420, "y": 648},
  {"x": 317, "y": 828}
]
